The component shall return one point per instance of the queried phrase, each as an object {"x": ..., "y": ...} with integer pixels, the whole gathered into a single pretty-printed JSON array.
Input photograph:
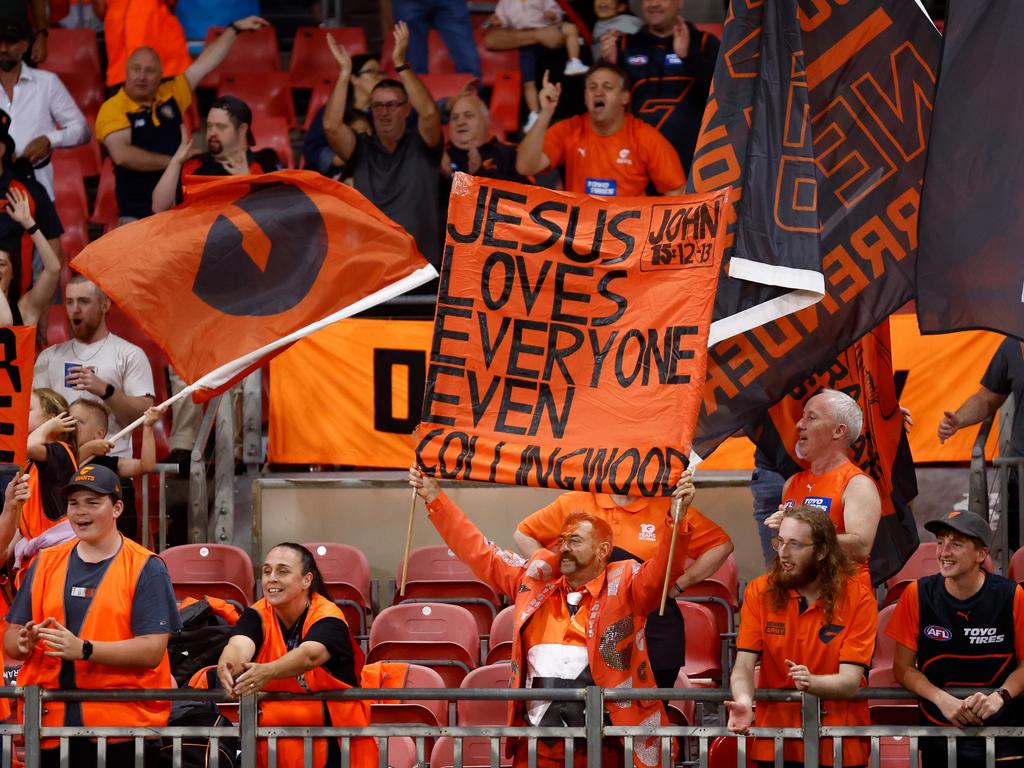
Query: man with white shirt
[
  {"x": 96, "y": 364},
  {"x": 44, "y": 116}
]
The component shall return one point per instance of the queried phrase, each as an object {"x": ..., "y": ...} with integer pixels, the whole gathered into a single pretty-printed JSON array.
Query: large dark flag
[
  {"x": 864, "y": 372},
  {"x": 970, "y": 273},
  {"x": 819, "y": 119}
]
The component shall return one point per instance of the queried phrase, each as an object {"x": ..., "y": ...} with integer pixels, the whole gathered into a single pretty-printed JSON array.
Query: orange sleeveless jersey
[{"x": 33, "y": 520}]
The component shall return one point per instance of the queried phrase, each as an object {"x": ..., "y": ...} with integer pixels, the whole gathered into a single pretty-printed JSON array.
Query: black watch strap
[
  {"x": 401, "y": 68},
  {"x": 108, "y": 392},
  {"x": 86, "y": 650},
  {"x": 238, "y": 29},
  {"x": 1005, "y": 695}
]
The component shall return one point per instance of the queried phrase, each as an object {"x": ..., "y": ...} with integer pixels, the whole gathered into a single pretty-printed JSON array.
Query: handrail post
[
  {"x": 33, "y": 723},
  {"x": 594, "y": 705},
  {"x": 248, "y": 712},
  {"x": 812, "y": 728}
]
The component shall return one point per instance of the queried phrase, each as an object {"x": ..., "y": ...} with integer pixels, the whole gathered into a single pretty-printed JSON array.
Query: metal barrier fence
[{"x": 697, "y": 739}]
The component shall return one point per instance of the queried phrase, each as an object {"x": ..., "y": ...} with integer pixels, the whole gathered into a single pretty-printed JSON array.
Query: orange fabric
[
  {"x": 5, "y": 704},
  {"x": 33, "y": 520},
  {"x": 825, "y": 492},
  {"x": 806, "y": 639},
  {"x": 384, "y": 674},
  {"x": 630, "y": 158},
  {"x": 559, "y": 314},
  {"x": 132, "y": 24},
  {"x": 616, "y": 648},
  {"x": 235, "y": 241},
  {"x": 904, "y": 625},
  {"x": 634, "y": 526},
  {"x": 108, "y": 619},
  {"x": 553, "y": 624},
  {"x": 222, "y": 608},
  {"x": 19, "y": 352},
  {"x": 286, "y": 713}
]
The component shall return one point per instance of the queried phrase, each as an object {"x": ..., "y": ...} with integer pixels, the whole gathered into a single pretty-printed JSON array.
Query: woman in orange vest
[{"x": 296, "y": 640}]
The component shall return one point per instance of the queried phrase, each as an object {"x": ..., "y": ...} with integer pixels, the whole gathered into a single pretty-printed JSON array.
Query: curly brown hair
[{"x": 834, "y": 570}]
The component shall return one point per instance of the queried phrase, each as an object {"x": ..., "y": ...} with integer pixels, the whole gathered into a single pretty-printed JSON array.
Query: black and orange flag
[
  {"x": 17, "y": 357},
  {"x": 249, "y": 264},
  {"x": 819, "y": 120},
  {"x": 570, "y": 337},
  {"x": 864, "y": 372}
]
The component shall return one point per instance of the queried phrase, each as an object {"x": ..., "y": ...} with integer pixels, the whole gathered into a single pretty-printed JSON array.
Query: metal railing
[{"x": 697, "y": 740}]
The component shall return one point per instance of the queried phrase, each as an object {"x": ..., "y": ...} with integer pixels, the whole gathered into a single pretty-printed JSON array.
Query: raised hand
[
  {"x": 18, "y": 208},
  {"x": 341, "y": 56},
  {"x": 549, "y": 95},
  {"x": 401, "y": 35}
]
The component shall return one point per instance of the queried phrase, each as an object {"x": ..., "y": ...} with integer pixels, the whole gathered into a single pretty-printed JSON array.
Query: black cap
[
  {"x": 238, "y": 109},
  {"x": 967, "y": 523},
  {"x": 14, "y": 28},
  {"x": 95, "y": 478}
]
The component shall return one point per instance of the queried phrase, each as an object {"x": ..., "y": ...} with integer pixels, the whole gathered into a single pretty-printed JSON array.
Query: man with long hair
[{"x": 811, "y": 624}]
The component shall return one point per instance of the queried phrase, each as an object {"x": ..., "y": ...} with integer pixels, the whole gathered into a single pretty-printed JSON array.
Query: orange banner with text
[{"x": 17, "y": 357}]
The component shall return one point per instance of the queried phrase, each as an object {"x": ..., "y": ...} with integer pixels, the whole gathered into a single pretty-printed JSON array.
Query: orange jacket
[
  {"x": 295, "y": 713},
  {"x": 615, "y": 631},
  {"x": 109, "y": 618},
  {"x": 33, "y": 520}
]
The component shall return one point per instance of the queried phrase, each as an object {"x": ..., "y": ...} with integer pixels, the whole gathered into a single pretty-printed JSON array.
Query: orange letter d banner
[{"x": 570, "y": 339}]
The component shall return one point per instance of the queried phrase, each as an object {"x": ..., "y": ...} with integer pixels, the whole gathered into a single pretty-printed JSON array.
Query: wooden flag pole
[
  {"x": 408, "y": 543},
  {"x": 677, "y": 511}
]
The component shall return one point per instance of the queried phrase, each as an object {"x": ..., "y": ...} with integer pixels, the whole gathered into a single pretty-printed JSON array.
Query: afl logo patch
[
  {"x": 637, "y": 61},
  {"x": 934, "y": 632}
]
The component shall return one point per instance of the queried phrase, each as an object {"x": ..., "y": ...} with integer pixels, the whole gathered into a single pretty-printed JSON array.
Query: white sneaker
[
  {"x": 575, "y": 67},
  {"x": 530, "y": 120}
]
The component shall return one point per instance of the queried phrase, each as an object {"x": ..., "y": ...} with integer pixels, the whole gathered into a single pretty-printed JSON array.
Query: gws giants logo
[
  {"x": 933, "y": 632},
  {"x": 258, "y": 263},
  {"x": 681, "y": 236}
]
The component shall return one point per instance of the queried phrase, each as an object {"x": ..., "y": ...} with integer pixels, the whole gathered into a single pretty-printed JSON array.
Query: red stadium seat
[
  {"x": 890, "y": 711},
  {"x": 86, "y": 88},
  {"x": 443, "y": 86},
  {"x": 494, "y": 712},
  {"x": 73, "y": 241},
  {"x": 723, "y": 753},
  {"x": 493, "y": 64},
  {"x": 321, "y": 92},
  {"x": 476, "y": 752},
  {"x": 312, "y": 60},
  {"x": 703, "y": 643},
  {"x": 723, "y": 584},
  {"x": 87, "y": 155},
  {"x": 72, "y": 50},
  {"x": 436, "y": 635},
  {"x": 1016, "y": 569},
  {"x": 432, "y": 712},
  {"x": 885, "y": 646},
  {"x": 714, "y": 29},
  {"x": 922, "y": 563},
  {"x": 401, "y": 751},
  {"x": 217, "y": 570},
  {"x": 500, "y": 639},
  {"x": 681, "y": 711},
  {"x": 436, "y": 574},
  {"x": 57, "y": 331},
  {"x": 69, "y": 191},
  {"x": 105, "y": 208},
  {"x": 272, "y": 133},
  {"x": 346, "y": 573},
  {"x": 506, "y": 96},
  {"x": 266, "y": 93},
  {"x": 894, "y": 752},
  {"x": 255, "y": 51}
]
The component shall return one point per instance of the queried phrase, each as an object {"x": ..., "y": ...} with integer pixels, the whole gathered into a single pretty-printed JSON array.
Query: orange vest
[
  {"x": 826, "y": 492},
  {"x": 33, "y": 520},
  {"x": 616, "y": 642},
  {"x": 108, "y": 619},
  {"x": 309, "y": 713}
]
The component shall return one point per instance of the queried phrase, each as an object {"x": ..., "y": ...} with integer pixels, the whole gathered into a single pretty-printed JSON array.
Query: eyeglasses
[
  {"x": 387, "y": 106},
  {"x": 793, "y": 546}
]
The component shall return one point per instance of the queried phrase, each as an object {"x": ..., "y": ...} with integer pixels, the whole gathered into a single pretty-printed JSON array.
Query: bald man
[
  {"x": 473, "y": 148},
  {"x": 140, "y": 125}
]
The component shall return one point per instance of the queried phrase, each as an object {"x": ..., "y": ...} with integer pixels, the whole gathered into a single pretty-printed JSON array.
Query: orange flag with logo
[
  {"x": 570, "y": 338},
  {"x": 249, "y": 264},
  {"x": 17, "y": 357}
]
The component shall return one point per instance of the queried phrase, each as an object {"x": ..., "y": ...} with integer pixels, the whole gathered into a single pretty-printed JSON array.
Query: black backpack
[
  {"x": 198, "y": 643},
  {"x": 195, "y": 750}
]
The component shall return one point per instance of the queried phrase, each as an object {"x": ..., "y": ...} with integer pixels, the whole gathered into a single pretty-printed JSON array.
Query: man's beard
[
  {"x": 798, "y": 579},
  {"x": 215, "y": 147},
  {"x": 8, "y": 65}
]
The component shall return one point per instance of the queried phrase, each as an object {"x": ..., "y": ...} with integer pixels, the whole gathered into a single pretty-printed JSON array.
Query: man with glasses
[
  {"x": 398, "y": 167},
  {"x": 810, "y": 623},
  {"x": 831, "y": 423},
  {"x": 962, "y": 627}
]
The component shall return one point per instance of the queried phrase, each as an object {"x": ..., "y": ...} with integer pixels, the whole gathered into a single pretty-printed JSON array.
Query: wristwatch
[
  {"x": 86, "y": 650},
  {"x": 1005, "y": 695},
  {"x": 401, "y": 68},
  {"x": 108, "y": 392}
]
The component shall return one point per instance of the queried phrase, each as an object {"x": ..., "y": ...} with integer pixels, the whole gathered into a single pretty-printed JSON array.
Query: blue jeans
[
  {"x": 451, "y": 19},
  {"x": 766, "y": 488}
]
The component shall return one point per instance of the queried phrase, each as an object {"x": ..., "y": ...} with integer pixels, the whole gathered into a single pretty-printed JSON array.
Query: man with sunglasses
[
  {"x": 962, "y": 627},
  {"x": 811, "y": 624},
  {"x": 397, "y": 167}
]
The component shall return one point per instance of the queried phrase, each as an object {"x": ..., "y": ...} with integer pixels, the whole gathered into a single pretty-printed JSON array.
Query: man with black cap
[
  {"x": 229, "y": 152},
  {"x": 962, "y": 627},
  {"x": 44, "y": 116},
  {"x": 94, "y": 612}
]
